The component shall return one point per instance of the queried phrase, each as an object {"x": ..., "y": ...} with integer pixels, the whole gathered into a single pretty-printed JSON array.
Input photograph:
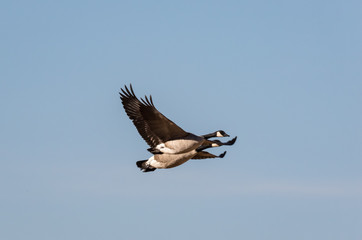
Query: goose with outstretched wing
[{"x": 161, "y": 134}]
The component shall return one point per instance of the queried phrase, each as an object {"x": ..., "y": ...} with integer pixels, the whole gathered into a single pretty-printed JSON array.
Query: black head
[{"x": 221, "y": 133}]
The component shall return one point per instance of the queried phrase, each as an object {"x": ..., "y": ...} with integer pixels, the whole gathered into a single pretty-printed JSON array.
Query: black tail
[{"x": 144, "y": 168}]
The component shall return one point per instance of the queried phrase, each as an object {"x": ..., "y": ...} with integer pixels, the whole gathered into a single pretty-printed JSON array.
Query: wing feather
[{"x": 152, "y": 125}]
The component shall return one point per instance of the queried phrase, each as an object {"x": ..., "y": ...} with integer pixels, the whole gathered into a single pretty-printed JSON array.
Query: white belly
[
  {"x": 183, "y": 145},
  {"x": 170, "y": 160}
]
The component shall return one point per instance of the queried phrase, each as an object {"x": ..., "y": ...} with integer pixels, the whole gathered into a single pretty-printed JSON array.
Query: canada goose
[
  {"x": 160, "y": 133},
  {"x": 205, "y": 143},
  {"x": 166, "y": 160},
  {"x": 219, "y": 133}
]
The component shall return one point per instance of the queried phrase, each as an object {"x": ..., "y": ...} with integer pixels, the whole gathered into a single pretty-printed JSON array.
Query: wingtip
[
  {"x": 127, "y": 91},
  {"x": 130, "y": 85}
]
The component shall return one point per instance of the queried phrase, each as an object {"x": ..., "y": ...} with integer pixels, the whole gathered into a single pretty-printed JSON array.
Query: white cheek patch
[
  {"x": 215, "y": 145},
  {"x": 218, "y": 134}
]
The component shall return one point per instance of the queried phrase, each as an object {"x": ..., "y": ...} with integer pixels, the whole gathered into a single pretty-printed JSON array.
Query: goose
[
  {"x": 162, "y": 161},
  {"x": 219, "y": 133},
  {"x": 160, "y": 133}
]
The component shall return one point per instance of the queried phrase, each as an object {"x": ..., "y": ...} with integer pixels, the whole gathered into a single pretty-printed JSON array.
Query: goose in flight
[
  {"x": 161, "y": 134},
  {"x": 166, "y": 160}
]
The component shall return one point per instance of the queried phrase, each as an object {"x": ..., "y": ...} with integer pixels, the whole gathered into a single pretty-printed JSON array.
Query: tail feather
[{"x": 143, "y": 166}]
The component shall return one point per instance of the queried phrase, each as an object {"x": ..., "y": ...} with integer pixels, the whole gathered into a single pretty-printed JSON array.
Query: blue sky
[{"x": 283, "y": 76}]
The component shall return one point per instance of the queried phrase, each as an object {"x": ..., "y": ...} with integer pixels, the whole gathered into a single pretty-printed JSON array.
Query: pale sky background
[{"x": 283, "y": 76}]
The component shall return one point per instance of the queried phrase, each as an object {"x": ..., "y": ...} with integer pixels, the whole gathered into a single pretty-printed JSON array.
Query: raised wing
[{"x": 152, "y": 125}]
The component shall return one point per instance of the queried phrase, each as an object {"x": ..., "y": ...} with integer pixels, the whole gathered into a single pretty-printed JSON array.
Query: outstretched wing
[
  {"x": 204, "y": 155},
  {"x": 152, "y": 125}
]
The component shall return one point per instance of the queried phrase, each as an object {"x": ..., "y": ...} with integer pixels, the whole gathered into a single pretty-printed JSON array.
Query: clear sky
[{"x": 283, "y": 76}]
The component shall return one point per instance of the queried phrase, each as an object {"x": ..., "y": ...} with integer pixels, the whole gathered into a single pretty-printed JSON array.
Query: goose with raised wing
[{"x": 161, "y": 134}]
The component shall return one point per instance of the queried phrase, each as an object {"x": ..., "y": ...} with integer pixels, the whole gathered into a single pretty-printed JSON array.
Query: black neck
[{"x": 210, "y": 135}]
